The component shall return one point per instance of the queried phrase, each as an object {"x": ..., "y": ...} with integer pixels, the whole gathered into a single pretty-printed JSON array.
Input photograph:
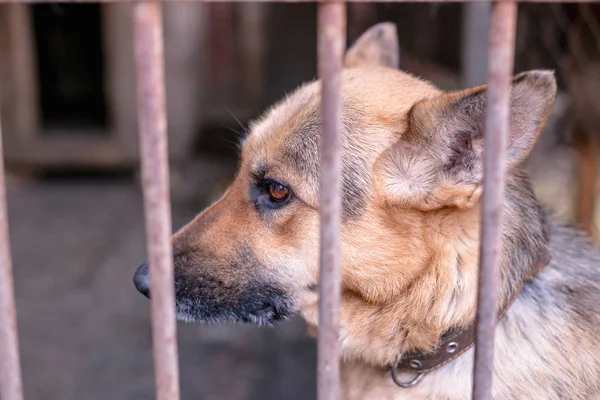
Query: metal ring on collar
[{"x": 397, "y": 381}]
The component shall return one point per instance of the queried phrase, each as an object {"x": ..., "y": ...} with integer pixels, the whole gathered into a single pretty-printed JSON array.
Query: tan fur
[
  {"x": 410, "y": 236},
  {"x": 378, "y": 47}
]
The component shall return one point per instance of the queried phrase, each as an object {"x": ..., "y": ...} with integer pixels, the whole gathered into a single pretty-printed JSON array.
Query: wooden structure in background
[
  {"x": 29, "y": 143},
  {"x": 581, "y": 71}
]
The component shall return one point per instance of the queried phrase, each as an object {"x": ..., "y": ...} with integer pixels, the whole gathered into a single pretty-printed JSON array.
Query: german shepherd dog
[{"x": 411, "y": 193}]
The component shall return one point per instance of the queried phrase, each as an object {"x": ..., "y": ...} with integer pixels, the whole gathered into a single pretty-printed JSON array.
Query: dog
[{"x": 412, "y": 165}]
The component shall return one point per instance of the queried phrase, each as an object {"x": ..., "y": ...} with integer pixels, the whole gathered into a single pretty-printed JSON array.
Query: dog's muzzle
[{"x": 141, "y": 280}]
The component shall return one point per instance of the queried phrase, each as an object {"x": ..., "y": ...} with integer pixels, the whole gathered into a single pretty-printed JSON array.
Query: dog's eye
[
  {"x": 269, "y": 194},
  {"x": 278, "y": 192}
]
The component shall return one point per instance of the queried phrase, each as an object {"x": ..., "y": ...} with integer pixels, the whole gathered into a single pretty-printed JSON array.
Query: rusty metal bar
[
  {"x": 500, "y": 69},
  {"x": 11, "y": 386},
  {"x": 155, "y": 182},
  {"x": 331, "y": 44},
  {"x": 296, "y": 1}
]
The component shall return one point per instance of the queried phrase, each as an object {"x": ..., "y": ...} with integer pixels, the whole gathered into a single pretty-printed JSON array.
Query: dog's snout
[{"x": 141, "y": 280}]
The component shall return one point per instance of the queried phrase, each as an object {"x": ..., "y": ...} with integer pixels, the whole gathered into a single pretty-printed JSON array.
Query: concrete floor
[{"x": 84, "y": 330}]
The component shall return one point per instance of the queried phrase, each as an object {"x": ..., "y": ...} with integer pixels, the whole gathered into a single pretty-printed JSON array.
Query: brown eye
[{"x": 278, "y": 192}]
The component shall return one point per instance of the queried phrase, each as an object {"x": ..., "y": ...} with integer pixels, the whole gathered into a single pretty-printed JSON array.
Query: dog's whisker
[{"x": 244, "y": 128}]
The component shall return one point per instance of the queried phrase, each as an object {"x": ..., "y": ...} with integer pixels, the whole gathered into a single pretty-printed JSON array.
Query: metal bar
[
  {"x": 501, "y": 59},
  {"x": 295, "y": 1},
  {"x": 11, "y": 386},
  {"x": 155, "y": 182},
  {"x": 331, "y": 44}
]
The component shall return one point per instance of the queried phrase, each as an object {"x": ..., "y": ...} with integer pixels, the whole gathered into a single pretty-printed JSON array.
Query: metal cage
[{"x": 154, "y": 162}]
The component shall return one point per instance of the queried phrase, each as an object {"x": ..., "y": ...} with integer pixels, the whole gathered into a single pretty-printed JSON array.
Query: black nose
[{"x": 141, "y": 280}]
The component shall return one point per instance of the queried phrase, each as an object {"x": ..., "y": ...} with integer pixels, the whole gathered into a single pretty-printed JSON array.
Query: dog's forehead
[
  {"x": 376, "y": 104},
  {"x": 370, "y": 96},
  {"x": 285, "y": 116}
]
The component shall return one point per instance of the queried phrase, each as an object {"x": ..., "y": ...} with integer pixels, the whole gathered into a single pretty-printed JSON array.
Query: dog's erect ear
[
  {"x": 438, "y": 162},
  {"x": 378, "y": 46}
]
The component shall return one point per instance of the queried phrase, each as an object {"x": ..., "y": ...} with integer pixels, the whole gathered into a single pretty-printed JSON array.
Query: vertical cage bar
[
  {"x": 331, "y": 44},
  {"x": 11, "y": 386},
  {"x": 155, "y": 182},
  {"x": 500, "y": 69}
]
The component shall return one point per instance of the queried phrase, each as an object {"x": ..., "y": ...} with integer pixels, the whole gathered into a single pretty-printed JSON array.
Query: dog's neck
[{"x": 444, "y": 298}]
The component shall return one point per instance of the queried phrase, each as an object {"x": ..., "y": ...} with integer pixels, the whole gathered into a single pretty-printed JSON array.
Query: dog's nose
[{"x": 141, "y": 280}]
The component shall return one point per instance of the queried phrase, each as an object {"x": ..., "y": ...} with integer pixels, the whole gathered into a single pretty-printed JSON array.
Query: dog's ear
[
  {"x": 378, "y": 46},
  {"x": 438, "y": 162}
]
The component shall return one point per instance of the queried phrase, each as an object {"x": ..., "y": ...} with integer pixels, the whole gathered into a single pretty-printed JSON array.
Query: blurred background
[{"x": 68, "y": 108}]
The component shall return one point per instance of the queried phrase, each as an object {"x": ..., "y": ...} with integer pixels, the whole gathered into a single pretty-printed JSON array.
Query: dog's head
[{"x": 412, "y": 182}]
